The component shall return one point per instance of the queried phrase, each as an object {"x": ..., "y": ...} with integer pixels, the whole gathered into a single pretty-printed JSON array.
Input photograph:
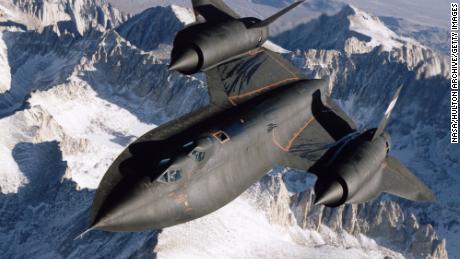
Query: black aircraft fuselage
[{"x": 212, "y": 161}]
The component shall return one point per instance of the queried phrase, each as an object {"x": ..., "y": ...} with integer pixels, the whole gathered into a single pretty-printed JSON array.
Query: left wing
[{"x": 249, "y": 75}]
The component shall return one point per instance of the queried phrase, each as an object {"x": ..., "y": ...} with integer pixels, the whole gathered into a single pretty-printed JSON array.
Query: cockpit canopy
[
  {"x": 171, "y": 175},
  {"x": 193, "y": 155},
  {"x": 198, "y": 155}
]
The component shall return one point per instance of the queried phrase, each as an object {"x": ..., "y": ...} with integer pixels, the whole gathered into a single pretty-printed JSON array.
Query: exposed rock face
[
  {"x": 384, "y": 221},
  {"x": 72, "y": 16},
  {"x": 78, "y": 96},
  {"x": 117, "y": 68},
  {"x": 154, "y": 21}
]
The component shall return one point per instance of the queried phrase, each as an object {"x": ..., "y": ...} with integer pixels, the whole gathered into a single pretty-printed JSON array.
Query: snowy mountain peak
[
  {"x": 185, "y": 15},
  {"x": 350, "y": 26},
  {"x": 75, "y": 16},
  {"x": 155, "y": 27},
  {"x": 353, "y": 31},
  {"x": 371, "y": 26}
]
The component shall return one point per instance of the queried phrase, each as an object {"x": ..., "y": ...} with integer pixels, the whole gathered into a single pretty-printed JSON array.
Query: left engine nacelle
[{"x": 202, "y": 46}]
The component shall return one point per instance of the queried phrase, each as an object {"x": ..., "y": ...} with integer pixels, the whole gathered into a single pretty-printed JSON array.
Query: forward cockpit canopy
[{"x": 197, "y": 152}]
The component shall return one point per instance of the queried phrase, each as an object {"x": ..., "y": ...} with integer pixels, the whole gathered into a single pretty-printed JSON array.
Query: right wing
[
  {"x": 399, "y": 181},
  {"x": 213, "y": 11}
]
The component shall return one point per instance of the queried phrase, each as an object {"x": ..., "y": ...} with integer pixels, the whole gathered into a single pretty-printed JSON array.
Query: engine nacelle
[
  {"x": 204, "y": 45},
  {"x": 354, "y": 173}
]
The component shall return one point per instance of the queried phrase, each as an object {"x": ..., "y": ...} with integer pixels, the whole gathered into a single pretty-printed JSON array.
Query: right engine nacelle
[{"x": 354, "y": 174}]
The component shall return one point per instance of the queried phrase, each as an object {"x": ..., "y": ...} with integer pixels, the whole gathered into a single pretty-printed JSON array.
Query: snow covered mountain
[
  {"x": 71, "y": 16},
  {"x": 82, "y": 81},
  {"x": 423, "y": 20}
]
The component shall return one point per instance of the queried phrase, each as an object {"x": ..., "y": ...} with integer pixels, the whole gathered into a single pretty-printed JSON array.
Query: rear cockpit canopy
[
  {"x": 171, "y": 175},
  {"x": 198, "y": 155}
]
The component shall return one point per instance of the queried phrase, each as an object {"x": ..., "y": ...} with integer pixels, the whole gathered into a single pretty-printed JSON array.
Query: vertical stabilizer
[{"x": 387, "y": 115}]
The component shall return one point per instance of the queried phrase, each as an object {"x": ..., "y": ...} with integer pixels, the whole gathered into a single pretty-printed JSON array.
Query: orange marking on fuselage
[
  {"x": 233, "y": 99},
  {"x": 255, "y": 51},
  {"x": 276, "y": 142},
  {"x": 294, "y": 137}
]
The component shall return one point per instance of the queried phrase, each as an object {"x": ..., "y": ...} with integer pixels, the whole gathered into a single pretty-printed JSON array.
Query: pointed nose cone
[
  {"x": 127, "y": 199},
  {"x": 107, "y": 223},
  {"x": 331, "y": 195},
  {"x": 126, "y": 212},
  {"x": 111, "y": 224},
  {"x": 186, "y": 61}
]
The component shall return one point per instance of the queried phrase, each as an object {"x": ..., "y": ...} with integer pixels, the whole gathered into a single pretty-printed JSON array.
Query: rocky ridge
[
  {"x": 67, "y": 16},
  {"x": 386, "y": 222}
]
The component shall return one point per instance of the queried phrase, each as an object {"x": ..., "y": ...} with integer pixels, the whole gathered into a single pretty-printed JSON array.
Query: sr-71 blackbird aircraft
[{"x": 262, "y": 112}]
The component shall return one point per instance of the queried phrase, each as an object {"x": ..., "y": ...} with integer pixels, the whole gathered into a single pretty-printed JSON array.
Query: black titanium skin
[{"x": 263, "y": 112}]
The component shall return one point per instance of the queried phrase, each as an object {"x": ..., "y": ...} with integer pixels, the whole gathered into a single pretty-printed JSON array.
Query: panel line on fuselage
[
  {"x": 232, "y": 100},
  {"x": 254, "y": 52},
  {"x": 281, "y": 64},
  {"x": 294, "y": 137}
]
